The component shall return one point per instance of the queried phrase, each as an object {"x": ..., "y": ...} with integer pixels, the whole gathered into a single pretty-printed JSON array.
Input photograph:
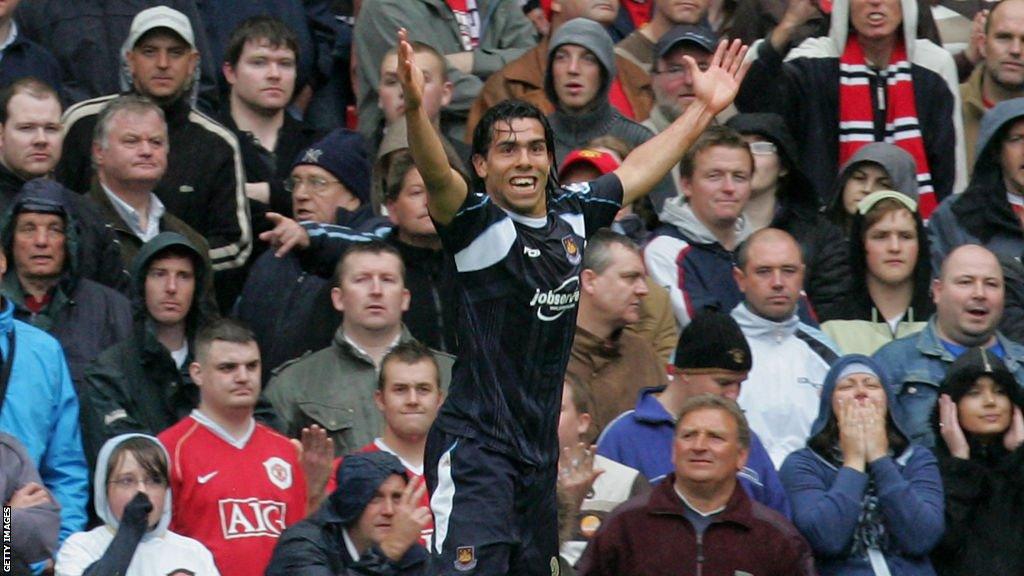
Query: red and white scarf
[{"x": 856, "y": 115}]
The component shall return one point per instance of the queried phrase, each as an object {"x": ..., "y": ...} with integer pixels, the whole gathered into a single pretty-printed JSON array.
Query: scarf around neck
[{"x": 857, "y": 115}]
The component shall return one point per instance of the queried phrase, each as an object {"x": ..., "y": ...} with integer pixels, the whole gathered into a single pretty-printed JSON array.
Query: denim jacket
[{"x": 916, "y": 366}]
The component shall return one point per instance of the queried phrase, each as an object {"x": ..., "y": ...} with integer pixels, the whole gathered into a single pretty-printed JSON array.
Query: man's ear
[
  {"x": 480, "y": 166},
  {"x": 587, "y": 278},
  {"x": 740, "y": 278},
  {"x": 229, "y": 73},
  {"x": 195, "y": 370},
  {"x": 378, "y": 400},
  {"x": 337, "y": 296}
]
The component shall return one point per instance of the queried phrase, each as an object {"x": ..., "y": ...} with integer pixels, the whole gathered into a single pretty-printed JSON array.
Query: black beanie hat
[
  {"x": 343, "y": 154},
  {"x": 973, "y": 364},
  {"x": 713, "y": 341}
]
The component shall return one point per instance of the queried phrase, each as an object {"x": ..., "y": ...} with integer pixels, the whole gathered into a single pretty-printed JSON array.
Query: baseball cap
[
  {"x": 159, "y": 17},
  {"x": 603, "y": 161},
  {"x": 702, "y": 36}
]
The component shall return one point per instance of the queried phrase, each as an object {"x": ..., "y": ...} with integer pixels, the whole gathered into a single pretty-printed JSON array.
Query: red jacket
[{"x": 649, "y": 536}]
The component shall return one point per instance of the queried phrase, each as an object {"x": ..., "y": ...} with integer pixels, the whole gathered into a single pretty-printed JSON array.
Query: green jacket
[
  {"x": 334, "y": 388},
  {"x": 505, "y": 34}
]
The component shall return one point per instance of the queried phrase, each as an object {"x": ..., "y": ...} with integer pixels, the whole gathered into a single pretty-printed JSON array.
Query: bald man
[
  {"x": 968, "y": 297},
  {"x": 780, "y": 397}
]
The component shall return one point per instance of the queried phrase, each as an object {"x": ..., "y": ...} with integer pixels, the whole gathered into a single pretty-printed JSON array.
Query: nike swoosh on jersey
[{"x": 207, "y": 477}]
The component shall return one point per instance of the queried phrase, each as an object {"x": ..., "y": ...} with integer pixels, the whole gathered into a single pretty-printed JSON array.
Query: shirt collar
[
  {"x": 131, "y": 215},
  {"x": 223, "y": 434},
  {"x": 350, "y": 545}
]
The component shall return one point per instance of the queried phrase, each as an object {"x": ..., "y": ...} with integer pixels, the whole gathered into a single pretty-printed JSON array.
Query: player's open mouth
[{"x": 524, "y": 182}]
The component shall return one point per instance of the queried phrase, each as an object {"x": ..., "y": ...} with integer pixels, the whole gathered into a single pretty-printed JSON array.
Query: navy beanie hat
[
  {"x": 359, "y": 477},
  {"x": 343, "y": 154}
]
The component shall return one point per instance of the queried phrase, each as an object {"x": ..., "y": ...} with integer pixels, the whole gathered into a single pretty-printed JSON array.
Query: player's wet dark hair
[{"x": 505, "y": 112}]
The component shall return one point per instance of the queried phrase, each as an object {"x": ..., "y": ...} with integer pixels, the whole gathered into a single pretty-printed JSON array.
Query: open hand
[
  {"x": 876, "y": 441},
  {"x": 949, "y": 429},
  {"x": 409, "y": 74},
  {"x": 716, "y": 87},
  {"x": 851, "y": 434},
  {"x": 576, "y": 472}
]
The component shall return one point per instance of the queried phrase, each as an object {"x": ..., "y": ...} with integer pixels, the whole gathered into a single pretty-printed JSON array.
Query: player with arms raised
[{"x": 517, "y": 240}]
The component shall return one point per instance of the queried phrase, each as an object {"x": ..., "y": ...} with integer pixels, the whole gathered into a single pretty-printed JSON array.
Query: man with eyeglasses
[
  {"x": 285, "y": 302},
  {"x": 672, "y": 84}
]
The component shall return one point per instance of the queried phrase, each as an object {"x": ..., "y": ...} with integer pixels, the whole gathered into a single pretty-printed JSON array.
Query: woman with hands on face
[
  {"x": 981, "y": 461},
  {"x": 866, "y": 500}
]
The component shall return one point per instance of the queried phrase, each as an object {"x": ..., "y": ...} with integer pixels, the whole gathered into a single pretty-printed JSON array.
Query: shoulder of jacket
[{"x": 85, "y": 109}]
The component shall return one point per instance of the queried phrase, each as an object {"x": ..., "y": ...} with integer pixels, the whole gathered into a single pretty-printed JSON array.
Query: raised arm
[
  {"x": 714, "y": 89},
  {"x": 446, "y": 190}
]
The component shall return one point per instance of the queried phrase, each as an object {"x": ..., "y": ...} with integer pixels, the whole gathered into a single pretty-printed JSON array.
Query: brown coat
[
  {"x": 523, "y": 79},
  {"x": 615, "y": 371}
]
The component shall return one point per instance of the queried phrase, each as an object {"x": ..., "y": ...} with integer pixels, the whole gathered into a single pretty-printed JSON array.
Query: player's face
[
  {"x": 706, "y": 449},
  {"x": 437, "y": 92},
  {"x": 264, "y": 78},
  {"x": 170, "y": 285},
  {"x": 719, "y": 188},
  {"x": 229, "y": 375},
  {"x": 577, "y": 77},
  {"x": 317, "y": 194},
  {"x": 725, "y": 383},
  {"x": 39, "y": 245},
  {"x": 410, "y": 399},
  {"x": 772, "y": 278},
  {"x": 515, "y": 171},
  {"x": 616, "y": 293},
  {"x": 135, "y": 153},
  {"x": 571, "y": 424},
  {"x": 371, "y": 294},
  {"x": 31, "y": 139},
  {"x": 128, "y": 479},
  {"x": 408, "y": 211},
  {"x": 375, "y": 521},
  {"x": 162, "y": 65},
  {"x": 865, "y": 178}
]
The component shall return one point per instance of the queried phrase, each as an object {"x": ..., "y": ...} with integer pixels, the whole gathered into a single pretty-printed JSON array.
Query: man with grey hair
[
  {"x": 203, "y": 181},
  {"x": 711, "y": 444},
  {"x": 129, "y": 154},
  {"x": 612, "y": 363}
]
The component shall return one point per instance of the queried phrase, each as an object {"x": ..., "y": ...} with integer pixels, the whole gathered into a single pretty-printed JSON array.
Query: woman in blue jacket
[{"x": 867, "y": 500}]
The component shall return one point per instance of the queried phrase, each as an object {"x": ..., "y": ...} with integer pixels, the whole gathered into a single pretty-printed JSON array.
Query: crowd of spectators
[{"x": 236, "y": 314}]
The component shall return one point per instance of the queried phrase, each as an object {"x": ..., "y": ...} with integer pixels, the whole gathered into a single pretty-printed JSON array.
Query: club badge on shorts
[
  {"x": 279, "y": 472},
  {"x": 572, "y": 250},
  {"x": 465, "y": 558}
]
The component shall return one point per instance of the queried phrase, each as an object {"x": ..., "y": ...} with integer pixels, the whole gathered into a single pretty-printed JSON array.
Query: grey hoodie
[{"x": 897, "y": 163}]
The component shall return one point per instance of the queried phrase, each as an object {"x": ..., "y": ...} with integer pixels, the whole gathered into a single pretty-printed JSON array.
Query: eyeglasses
[
  {"x": 129, "y": 482},
  {"x": 762, "y": 148},
  {"x": 317, "y": 184}
]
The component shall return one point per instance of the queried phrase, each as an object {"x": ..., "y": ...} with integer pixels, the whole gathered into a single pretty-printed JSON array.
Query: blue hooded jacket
[{"x": 829, "y": 501}]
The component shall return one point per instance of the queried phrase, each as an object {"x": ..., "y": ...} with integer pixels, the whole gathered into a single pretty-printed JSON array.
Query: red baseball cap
[{"x": 603, "y": 161}]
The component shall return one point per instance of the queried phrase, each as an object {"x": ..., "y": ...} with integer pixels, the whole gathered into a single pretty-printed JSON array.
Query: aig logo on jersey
[
  {"x": 552, "y": 304},
  {"x": 572, "y": 250},
  {"x": 279, "y": 472},
  {"x": 251, "y": 517}
]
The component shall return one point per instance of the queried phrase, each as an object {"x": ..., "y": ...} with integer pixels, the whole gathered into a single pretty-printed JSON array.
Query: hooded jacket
[
  {"x": 982, "y": 214},
  {"x": 204, "y": 184},
  {"x": 897, "y": 163},
  {"x": 797, "y": 212},
  {"x": 805, "y": 91},
  {"x": 33, "y": 529},
  {"x": 135, "y": 385},
  {"x": 833, "y": 504},
  {"x": 317, "y": 545},
  {"x": 99, "y": 257},
  {"x": 984, "y": 495},
  {"x": 84, "y": 316},
  {"x": 158, "y": 553},
  {"x": 574, "y": 129},
  {"x": 781, "y": 392},
  {"x": 685, "y": 257},
  {"x": 41, "y": 410}
]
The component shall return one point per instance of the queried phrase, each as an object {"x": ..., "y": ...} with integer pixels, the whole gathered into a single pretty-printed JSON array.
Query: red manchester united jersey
[{"x": 234, "y": 496}]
